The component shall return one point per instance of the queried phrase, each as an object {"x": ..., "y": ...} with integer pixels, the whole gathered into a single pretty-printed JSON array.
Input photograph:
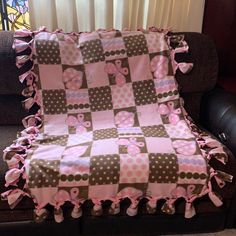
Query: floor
[{"x": 227, "y": 232}]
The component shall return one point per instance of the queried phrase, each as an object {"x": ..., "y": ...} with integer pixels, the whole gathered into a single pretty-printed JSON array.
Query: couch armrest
[{"x": 218, "y": 115}]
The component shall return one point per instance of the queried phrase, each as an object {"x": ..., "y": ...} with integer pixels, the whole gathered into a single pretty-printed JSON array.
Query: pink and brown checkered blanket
[{"x": 110, "y": 126}]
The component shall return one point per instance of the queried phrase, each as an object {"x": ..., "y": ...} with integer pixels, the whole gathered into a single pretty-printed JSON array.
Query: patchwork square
[
  {"x": 118, "y": 71},
  {"x": 54, "y": 139},
  {"x": 100, "y": 98},
  {"x": 105, "y": 134},
  {"x": 105, "y": 146},
  {"x": 156, "y": 42},
  {"x": 126, "y": 117},
  {"x": 50, "y": 76},
  {"x": 79, "y": 123},
  {"x": 73, "y": 77},
  {"x": 148, "y": 115},
  {"x": 140, "y": 68},
  {"x": 52, "y": 121},
  {"x": 70, "y": 53},
  {"x": 43, "y": 173},
  {"x": 48, "y": 152},
  {"x": 103, "y": 120},
  {"x": 159, "y": 145},
  {"x": 144, "y": 92},
  {"x": 77, "y": 101},
  {"x": 163, "y": 168},
  {"x": 132, "y": 146},
  {"x": 186, "y": 147},
  {"x": 134, "y": 169},
  {"x": 96, "y": 74},
  {"x": 122, "y": 96},
  {"x": 92, "y": 51},
  {"x": 104, "y": 169},
  {"x": 154, "y": 131},
  {"x": 106, "y": 191},
  {"x": 48, "y": 52},
  {"x": 74, "y": 171},
  {"x": 114, "y": 48},
  {"x": 135, "y": 45},
  {"x": 54, "y": 101}
]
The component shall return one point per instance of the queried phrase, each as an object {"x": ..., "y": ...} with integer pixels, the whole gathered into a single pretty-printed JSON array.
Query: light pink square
[
  {"x": 96, "y": 75},
  {"x": 55, "y": 124},
  {"x": 140, "y": 68},
  {"x": 104, "y": 147},
  {"x": 122, "y": 96},
  {"x": 77, "y": 139},
  {"x": 103, "y": 120},
  {"x": 105, "y": 191},
  {"x": 51, "y": 76},
  {"x": 160, "y": 190},
  {"x": 48, "y": 152},
  {"x": 159, "y": 145},
  {"x": 148, "y": 115},
  {"x": 134, "y": 169}
]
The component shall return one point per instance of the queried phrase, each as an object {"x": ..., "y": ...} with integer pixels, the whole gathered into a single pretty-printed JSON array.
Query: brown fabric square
[
  {"x": 92, "y": 51},
  {"x": 44, "y": 173},
  {"x": 54, "y": 101},
  {"x": 104, "y": 169},
  {"x": 48, "y": 52},
  {"x": 154, "y": 131},
  {"x": 100, "y": 98},
  {"x": 144, "y": 92},
  {"x": 136, "y": 45},
  {"x": 163, "y": 168},
  {"x": 105, "y": 134}
]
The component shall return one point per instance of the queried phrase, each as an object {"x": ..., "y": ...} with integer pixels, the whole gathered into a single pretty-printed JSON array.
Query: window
[{"x": 14, "y": 14}]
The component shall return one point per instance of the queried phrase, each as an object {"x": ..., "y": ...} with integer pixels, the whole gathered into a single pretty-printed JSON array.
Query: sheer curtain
[{"x": 87, "y": 15}]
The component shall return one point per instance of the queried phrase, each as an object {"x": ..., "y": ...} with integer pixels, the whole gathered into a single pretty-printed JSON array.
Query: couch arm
[{"x": 218, "y": 115}]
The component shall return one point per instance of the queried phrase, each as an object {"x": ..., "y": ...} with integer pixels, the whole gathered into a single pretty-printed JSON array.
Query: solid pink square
[
  {"x": 148, "y": 115},
  {"x": 51, "y": 76},
  {"x": 104, "y": 147},
  {"x": 96, "y": 75},
  {"x": 160, "y": 190},
  {"x": 140, "y": 68},
  {"x": 103, "y": 192},
  {"x": 159, "y": 145},
  {"x": 103, "y": 120}
]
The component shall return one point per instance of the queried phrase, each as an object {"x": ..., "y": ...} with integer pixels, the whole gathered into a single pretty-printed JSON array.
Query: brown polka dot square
[
  {"x": 43, "y": 173},
  {"x": 163, "y": 168},
  {"x": 144, "y": 92},
  {"x": 54, "y": 139},
  {"x": 54, "y": 101},
  {"x": 136, "y": 45},
  {"x": 105, "y": 134},
  {"x": 92, "y": 51},
  {"x": 104, "y": 169},
  {"x": 154, "y": 131},
  {"x": 100, "y": 98},
  {"x": 47, "y": 52}
]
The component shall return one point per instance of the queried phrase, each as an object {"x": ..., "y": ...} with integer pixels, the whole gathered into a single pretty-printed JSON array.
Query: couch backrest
[{"x": 202, "y": 78}]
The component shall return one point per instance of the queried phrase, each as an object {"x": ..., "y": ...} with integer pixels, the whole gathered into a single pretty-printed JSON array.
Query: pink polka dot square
[
  {"x": 156, "y": 42},
  {"x": 134, "y": 169},
  {"x": 122, "y": 96}
]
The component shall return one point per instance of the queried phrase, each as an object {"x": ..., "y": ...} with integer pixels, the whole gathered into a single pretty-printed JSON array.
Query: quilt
[{"x": 110, "y": 125}]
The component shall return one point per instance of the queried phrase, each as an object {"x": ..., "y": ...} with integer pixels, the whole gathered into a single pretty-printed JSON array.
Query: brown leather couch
[{"x": 213, "y": 108}]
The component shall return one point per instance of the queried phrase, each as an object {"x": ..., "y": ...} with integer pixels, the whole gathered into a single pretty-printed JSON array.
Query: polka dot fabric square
[
  {"x": 54, "y": 101},
  {"x": 163, "y": 168},
  {"x": 100, "y": 98},
  {"x": 136, "y": 45},
  {"x": 48, "y": 52},
  {"x": 154, "y": 131},
  {"x": 92, "y": 51},
  {"x": 144, "y": 92},
  {"x": 104, "y": 170},
  {"x": 105, "y": 134},
  {"x": 43, "y": 173}
]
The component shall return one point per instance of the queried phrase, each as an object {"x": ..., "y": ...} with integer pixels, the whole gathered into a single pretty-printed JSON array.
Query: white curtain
[{"x": 87, "y": 15}]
